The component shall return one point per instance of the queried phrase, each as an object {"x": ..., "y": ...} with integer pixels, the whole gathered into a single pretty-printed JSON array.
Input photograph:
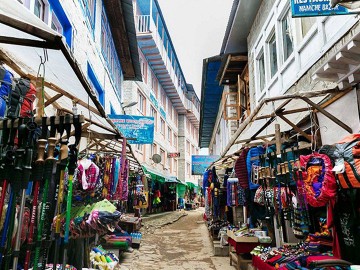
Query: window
[
  {"x": 169, "y": 134},
  {"x": 188, "y": 125},
  {"x": 188, "y": 169},
  {"x": 109, "y": 53},
  {"x": 89, "y": 9},
  {"x": 175, "y": 140},
  {"x": 39, "y": 9},
  {"x": 287, "y": 35},
  {"x": 162, "y": 126},
  {"x": 170, "y": 109},
  {"x": 306, "y": 24},
  {"x": 169, "y": 163},
  {"x": 55, "y": 24},
  {"x": 261, "y": 71},
  {"x": 95, "y": 84},
  {"x": 141, "y": 103},
  {"x": 187, "y": 146},
  {"x": 162, "y": 154},
  {"x": 192, "y": 150},
  {"x": 153, "y": 149},
  {"x": 175, "y": 166},
  {"x": 139, "y": 147},
  {"x": 143, "y": 67},
  {"x": 153, "y": 113},
  {"x": 176, "y": 118},
  {"x": 163, "y": 98},
  {"x": 154, "y": 84},
  {"x": 273, "y": 55}
]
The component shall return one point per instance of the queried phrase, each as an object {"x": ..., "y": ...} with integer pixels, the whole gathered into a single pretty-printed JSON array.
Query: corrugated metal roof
[{"x": 211, "y": 93}]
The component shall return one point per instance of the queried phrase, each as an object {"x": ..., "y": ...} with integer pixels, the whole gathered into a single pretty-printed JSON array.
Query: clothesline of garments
[{"x": 101, "y": 177}]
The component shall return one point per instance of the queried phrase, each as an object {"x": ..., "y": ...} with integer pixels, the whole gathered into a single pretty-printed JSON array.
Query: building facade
[
  {"x": 164, "y": 95},
  {"x": 281, "y": 55},
  {"x": 88, "y": 28}
]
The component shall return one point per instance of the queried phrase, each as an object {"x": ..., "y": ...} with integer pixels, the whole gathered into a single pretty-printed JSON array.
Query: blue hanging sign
[
  {"x": 162, "y": 112},
  {"x": 311, "y": 8},
  {"x": 201, "y": 163},
  {"x": 153, "y": 100},
  {"x": 137, "y": 129}
]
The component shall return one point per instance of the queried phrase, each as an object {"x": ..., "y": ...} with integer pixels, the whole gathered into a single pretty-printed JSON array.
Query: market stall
[
  {"x": 70, "y": 163},
  {"x": 282, "y": 181}
]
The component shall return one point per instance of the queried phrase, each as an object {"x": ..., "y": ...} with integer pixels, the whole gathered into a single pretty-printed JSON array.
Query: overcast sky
[{"x": 197, "y": 29}]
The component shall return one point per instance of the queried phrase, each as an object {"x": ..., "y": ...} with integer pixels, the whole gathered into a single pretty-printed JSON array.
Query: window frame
[
  {"x": 141, "y": 103},
  {"x": 272, "y": 39},
  {"x": 169, "y": 133},
  {"x": 162, "y": 126},
  {"x": 286, "y": 18},
  {"x": 260, "y": 87}
]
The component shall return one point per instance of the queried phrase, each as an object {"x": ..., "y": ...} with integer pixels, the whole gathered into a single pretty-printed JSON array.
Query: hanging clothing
[{"x": 88, "y": 172}]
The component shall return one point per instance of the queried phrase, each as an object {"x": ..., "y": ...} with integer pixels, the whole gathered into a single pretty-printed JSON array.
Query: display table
[{"x": 260, "y": 265}]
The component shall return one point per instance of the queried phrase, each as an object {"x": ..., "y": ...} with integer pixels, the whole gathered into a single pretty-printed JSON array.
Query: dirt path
[{"x": 185, "y": 244}]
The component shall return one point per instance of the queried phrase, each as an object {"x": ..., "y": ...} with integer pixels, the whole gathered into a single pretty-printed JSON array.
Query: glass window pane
[
  {"x": 287, "y": 36},
  {"x": 273, "y": 56},
  {"x": 261, "y": 63},
  {"x": 306, "y": 24}
]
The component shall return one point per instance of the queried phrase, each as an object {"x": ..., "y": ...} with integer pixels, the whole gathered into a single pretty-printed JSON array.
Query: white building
[{"x": 165, "y": 95}]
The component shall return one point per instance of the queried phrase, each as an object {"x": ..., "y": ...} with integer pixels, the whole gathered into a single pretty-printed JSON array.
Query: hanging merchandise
[
  {"x": 102, "y": 259},
  {"x": 319, "y": 180},
  {"x": 252, "y": 165},
  {"x": 6, "y": 79},
  {"x": 232, "y": 192},
  {"x": 345, "y": 155}
]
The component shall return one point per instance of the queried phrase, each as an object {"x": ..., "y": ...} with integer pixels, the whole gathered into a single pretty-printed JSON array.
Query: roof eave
[{"x": 121, "y": 20}]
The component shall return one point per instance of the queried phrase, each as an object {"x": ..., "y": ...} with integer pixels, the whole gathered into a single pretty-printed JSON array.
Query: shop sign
[
  {"x": 173, "y": 155},
  {"x": 310, "y": 8},
  {"x": 162, "y": 112},
  {"x": 137, "y": 129},
  {"x": 200, "y": 163},
  {"x": 153, "y": 100}
]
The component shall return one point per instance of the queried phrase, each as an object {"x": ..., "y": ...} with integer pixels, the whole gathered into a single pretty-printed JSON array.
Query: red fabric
[
  {"x": 242, "y": 247},
  {"x": 260, "y": 265},
  {"x": 330, "y": 225},
  {"x": 241, "y": 169},
  {"x": 329, "y": 187}
]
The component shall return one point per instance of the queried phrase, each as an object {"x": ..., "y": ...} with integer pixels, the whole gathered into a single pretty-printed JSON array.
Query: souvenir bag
[
  {"x": 319, "y": 181},
  {"x": 6, "y": 79},
  {"x": 346, "y": 155}
]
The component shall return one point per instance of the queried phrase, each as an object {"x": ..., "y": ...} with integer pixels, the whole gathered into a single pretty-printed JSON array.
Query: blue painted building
[{"x": 105, "y": 48}]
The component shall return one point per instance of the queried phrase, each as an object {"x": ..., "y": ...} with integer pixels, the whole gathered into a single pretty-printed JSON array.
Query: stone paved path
[{"x": 184, "y": 244}]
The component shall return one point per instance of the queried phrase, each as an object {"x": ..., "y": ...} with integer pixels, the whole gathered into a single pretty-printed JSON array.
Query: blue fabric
[
  {"x": 116, "y": 174},
  {"x": 205, "y": 180},
  {"x": 253, "y": 152}
]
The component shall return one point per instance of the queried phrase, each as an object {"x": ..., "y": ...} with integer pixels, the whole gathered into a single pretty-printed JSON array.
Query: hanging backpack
[
  {"x": 251, "y": 164},
  {"x": 6, "y": 79},
  {"x": 319, "y": 180},
  {"x": 21, "y": 98},
  {"x": 346, "y": 155}
]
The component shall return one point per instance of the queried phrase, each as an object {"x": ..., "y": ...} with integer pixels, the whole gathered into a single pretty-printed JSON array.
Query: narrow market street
[{"x": 184, "y": 244}]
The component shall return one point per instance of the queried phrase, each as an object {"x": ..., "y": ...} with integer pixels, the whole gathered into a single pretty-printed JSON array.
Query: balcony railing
[{"x": 142, "y": 23}]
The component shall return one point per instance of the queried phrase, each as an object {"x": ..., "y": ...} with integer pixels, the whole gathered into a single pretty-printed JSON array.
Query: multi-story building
[
  {"x": 104, "y": 51},
  {"x": 165, "y": 95},
  {"x": 271, "y": 55}
]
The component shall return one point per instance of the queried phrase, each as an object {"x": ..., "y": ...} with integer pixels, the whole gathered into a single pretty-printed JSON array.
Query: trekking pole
[
  {"x": 49, "y": 162},
  {"x": 71, "y": 168},
  {"x": 38, "y": 171},
  {"x": 30, "y": 128},
  {"x": 61, "y": 167}
]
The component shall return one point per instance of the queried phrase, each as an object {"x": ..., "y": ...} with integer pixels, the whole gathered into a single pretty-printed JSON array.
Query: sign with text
[
  {"x": 137, "y": 129},
  {"x": 200, "y": 163},
  {"x": 310, "y": 8},
  {"x": 173, "y": 155}
]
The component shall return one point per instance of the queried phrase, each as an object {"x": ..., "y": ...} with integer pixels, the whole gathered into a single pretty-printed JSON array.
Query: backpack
[
  {"x": 6, "y": 79},
  {"x": 346, "y": 152},
  {"x": 253, "y": 152},
  {"x": 21, "y": 98},
  {"x": 319, "y": 180}
]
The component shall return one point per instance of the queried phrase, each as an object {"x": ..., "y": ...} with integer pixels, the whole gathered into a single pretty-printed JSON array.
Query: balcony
[{"x": 152, "y": 46}]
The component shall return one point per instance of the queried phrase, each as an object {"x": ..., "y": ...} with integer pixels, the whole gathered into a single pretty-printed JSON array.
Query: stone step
[{"x": 221, "y": 251}]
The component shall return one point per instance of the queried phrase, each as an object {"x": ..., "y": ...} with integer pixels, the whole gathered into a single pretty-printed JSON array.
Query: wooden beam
[
  {"x": 327, "y": 114},
  {"x": 29, "y": 42},
  {"x": 53, "y": 99},
  {"x": 284, "y": 113},
  {"x": 224, "y": 70},
  {"x": 239, "y": 58},
  {"x": 148, "y": 47},
  {"x": 295, "y": 127}
]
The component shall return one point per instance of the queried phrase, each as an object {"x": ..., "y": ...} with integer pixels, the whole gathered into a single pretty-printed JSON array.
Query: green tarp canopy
[
  {"x": 191, "y": 185},
  {"x": 181, "y": 190},
  {"x": 154, "y": 175}
]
